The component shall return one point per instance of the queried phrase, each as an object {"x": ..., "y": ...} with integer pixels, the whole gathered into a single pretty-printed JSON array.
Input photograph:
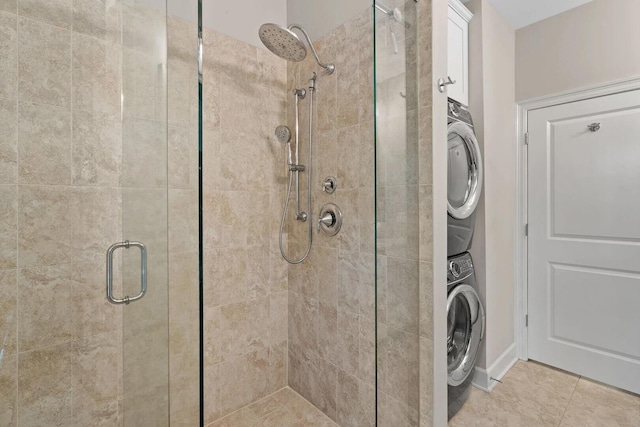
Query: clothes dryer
[
  {"x": 464, "y": 183},
  {"x": 465, "y": 329}
]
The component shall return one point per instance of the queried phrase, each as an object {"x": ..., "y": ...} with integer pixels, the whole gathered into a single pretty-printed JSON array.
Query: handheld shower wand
[{"x": 283, "y": 133}]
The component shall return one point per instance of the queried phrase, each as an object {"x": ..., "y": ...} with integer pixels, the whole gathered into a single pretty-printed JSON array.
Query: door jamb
[{"x": 523, "y": 108}]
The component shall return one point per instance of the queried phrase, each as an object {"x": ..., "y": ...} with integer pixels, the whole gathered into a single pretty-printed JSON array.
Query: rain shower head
[
  {"x": 287, "y": 45},
  {"x": 283, "y": 42}
]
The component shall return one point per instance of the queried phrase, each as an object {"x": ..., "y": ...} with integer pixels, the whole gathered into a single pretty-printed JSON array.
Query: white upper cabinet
[{"x": 458, "y": 40}]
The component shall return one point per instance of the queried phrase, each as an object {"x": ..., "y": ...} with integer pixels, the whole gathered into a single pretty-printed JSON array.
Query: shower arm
[{"x": 329, "y": 67}]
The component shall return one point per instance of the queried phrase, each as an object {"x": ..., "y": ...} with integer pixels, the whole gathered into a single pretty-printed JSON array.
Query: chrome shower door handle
[{"x": 143, "y": 272}]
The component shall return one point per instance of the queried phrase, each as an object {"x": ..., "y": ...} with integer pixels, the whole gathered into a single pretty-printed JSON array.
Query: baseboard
[{"x": 482, "y": 378}]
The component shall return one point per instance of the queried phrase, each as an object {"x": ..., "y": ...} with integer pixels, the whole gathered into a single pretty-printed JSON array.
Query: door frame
[{"x": 523, "y": 108}]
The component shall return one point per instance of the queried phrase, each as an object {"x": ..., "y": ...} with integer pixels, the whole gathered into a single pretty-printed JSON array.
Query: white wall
[
  {"x": 319, "y": 17},
  {"x": 242, "y": 19},
  {"x": 239, "y": 19},
  {"x": 438, "y": 162},
  {"x": 492, "y": 102},
  {"x": 595, "y": 43},
  {"x": 185, "y": 9}
]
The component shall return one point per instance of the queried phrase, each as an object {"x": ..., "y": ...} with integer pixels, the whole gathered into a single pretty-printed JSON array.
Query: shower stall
[{"x": 202, "y": 224}]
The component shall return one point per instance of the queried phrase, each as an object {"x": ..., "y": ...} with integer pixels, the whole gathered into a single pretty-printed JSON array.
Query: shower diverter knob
[
  {"x": 330, "y": 219},
  {"x": 329, "y": 185}
]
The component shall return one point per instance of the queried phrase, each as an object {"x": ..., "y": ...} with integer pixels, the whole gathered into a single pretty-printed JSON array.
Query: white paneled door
[{"x": 584, "y": 238}]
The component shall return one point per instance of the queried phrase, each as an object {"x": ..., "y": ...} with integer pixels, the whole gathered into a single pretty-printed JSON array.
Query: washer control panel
[{"x": 459, "y": 267}]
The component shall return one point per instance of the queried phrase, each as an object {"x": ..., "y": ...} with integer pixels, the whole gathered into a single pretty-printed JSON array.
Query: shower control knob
[
  {"x": 330, "y": 219},
  {"x": 330, "y": 185}
]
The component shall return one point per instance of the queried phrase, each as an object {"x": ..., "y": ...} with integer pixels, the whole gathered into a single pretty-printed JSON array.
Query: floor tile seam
[
  {"x": 510, "y": 398},
  {"x": 547, "y": 388},
  {"x": 520, "y": 404},
  {"x": 569, "y": 401}
]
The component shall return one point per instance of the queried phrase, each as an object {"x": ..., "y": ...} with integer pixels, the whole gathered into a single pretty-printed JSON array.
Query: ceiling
[{"x": 521, "y": 13}]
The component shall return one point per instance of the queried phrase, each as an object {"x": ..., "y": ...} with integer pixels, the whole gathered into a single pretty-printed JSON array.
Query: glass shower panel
[
  {"x": 295, "y": 341},
  {"x": 145, "y": 377},
  {"x": 397, "y": 220}
]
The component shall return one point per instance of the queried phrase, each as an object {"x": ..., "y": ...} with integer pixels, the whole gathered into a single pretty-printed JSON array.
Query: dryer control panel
[
  {"x": 457, "y": 112},
  {"x": 459, "y": 267}
]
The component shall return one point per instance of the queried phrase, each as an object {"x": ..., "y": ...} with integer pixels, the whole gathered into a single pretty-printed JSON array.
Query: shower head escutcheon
[{"x": 287, "y": 45}]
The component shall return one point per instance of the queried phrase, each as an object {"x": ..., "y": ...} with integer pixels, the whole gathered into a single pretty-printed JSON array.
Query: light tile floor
[
  {"x": 532, "y": 395},
  {"x": 285, "y": 408}
]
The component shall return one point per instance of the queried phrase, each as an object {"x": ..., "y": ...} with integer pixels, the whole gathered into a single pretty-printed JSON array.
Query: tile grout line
[
  {"x": 17, "y": 182},
  {"x": 569, "y": 402},
  {"x": 73, "y": 194}
]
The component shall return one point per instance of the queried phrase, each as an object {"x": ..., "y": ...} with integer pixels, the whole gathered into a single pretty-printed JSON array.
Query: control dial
[{"x": 455, "y": 269}]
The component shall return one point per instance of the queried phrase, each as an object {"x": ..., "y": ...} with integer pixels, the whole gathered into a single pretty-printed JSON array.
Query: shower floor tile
[{"x": 285, "y": 408}]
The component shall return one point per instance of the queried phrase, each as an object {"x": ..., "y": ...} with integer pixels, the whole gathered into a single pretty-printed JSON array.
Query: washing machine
[
  {"x": 464, "y": 179},
  {"x": 465, "y": 329}
]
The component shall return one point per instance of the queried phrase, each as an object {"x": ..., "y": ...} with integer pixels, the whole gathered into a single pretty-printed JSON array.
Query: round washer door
[
  {"x": 465, "y": 171},
  {"x": 465, "y": 331}
]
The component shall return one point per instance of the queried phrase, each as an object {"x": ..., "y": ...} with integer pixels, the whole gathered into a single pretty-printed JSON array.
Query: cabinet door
[{"x": 458, "y": 64}]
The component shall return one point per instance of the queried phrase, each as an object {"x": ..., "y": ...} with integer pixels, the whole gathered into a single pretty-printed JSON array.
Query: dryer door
[
  {"x": 465, "y": 171},
  {"x": 465, "y": 331}
]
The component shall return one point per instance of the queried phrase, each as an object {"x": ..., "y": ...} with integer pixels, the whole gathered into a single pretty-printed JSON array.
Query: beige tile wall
[
  {"x": 332, "y": 294},
  {"x": 245, "y": 277}
]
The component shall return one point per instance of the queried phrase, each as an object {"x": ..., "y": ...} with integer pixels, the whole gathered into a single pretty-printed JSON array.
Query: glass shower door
[
  {"x": 83, "y": 154},
  {"x": 145, "y": 322}
]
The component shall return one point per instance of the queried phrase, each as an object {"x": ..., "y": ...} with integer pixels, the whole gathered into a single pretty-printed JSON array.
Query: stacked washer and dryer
[{"x": 465, "y": 314}]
